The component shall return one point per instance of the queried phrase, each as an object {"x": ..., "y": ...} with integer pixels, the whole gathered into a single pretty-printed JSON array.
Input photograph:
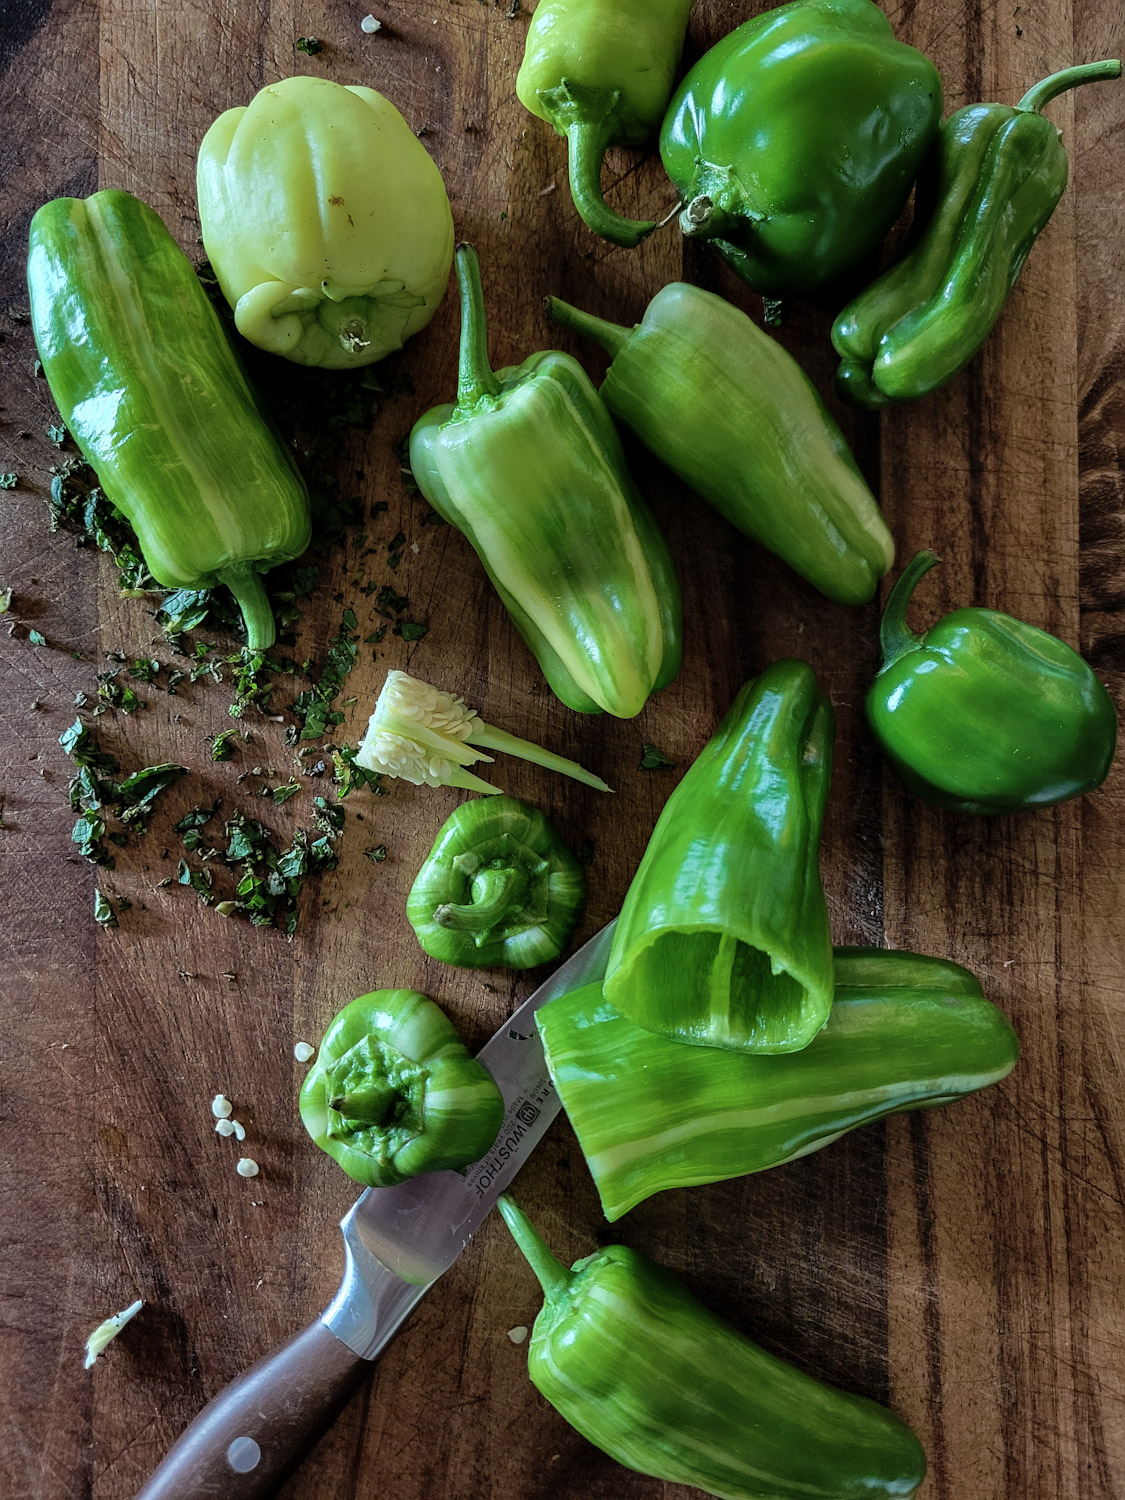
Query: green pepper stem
[
  {"x": 1069, "y": 78},
  {"x": 491, "y": 738},
  {"x": 474, "y": 373},
  {"x": 895, "y": 639},
  {"x": 611, "y": 336},
  {"x": 500, "y": 891},
  {"x": 553, "y": 1276},
  {"x": 245, "y": 583},
  {"x": 587, "y": 142}
]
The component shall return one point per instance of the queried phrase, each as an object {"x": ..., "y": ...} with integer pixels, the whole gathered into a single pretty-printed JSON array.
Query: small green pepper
[
  {"x": 906, "y": 1032},
  {"x": 996, "y": 174},
  {"x": 394, "y": 1093},
  {"x": 153, "y": 394},
  {"x": 498, "y": 889},
  {"x": 735, "y": 416},
  {"x": 529, "y": 466},
  {"x": 985, "y": 713},
  {"x": 723, "y": 937},
  {"x": 633, "y": 1362},
  {"x": 600, "y": 72}
]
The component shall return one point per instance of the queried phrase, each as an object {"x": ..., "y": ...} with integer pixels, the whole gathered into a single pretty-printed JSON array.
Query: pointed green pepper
[
  {"x": 735, "y": 416},
  {"x": 633, "y": 1362},
  {"x": 723, "y": 937},
  {"x": 153, "y": 394},
  {"x": 529, "y": 466},
  {"x": 906, "y": 1032}
]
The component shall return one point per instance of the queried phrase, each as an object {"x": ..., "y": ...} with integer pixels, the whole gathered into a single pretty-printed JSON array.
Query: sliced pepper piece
[
  {"x": 394, "y": 1093},
  {"x": 498, "y": 889}
]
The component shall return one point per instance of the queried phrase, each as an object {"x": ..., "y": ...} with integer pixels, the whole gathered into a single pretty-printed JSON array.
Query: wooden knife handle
[{"x": 244, "y": 1442}]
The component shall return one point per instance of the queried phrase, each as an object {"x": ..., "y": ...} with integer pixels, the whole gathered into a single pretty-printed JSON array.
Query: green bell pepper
[
  {"x": 795, "y": 141},
  {"x": 394, "y": 1093},
  {"x": 152, "y": 392},
  {"x": 529, "y": 466},
  {"x": 633, "y": 1362},
  {"x": 723, "y": 937},
  {"x": 735, "y": 416},
  {"x": 498, "y": 889},
  {"x": 996, "y": 175},
  {"x": 985, "y": 713},
  {"x": 906, "y": 1032},
  {"x": 600, "y": 72}
]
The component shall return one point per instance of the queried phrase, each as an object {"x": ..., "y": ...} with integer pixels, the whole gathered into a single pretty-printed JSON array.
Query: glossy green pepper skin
[
  {"x": 735, "y": 416},
  {"x": 529, "y": 466},
  {"x": 600, "y": 72},
  {"x": 394, "y": 1093},
  {"x": 906, "y": 1032},
  {"x": 996, "y": 175},
  {"x": 498, "y": 889},
  {"x": 723, "y": 937},
  {"x": 795, "y": 141},
  {"x": 984, "y": 713},
  {"x": 152, "y": 392},
  {"x": 633, "y": 1362}
]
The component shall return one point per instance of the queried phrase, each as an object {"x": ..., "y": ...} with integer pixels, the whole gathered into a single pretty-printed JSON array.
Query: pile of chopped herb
[
  {"x": 314, "y": 707},
  {"x": 96, "y": 794}
]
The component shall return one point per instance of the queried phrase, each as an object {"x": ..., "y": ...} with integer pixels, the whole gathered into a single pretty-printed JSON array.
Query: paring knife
[{"x": 397, "y": 1241}]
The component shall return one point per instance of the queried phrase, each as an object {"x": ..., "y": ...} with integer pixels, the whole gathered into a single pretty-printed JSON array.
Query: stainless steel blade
[{"x": 399, "y": 1240}]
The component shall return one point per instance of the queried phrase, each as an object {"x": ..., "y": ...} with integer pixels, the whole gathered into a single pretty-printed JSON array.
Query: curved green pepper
[
  {"x": 723, "y": 937},
  {"x": 529, "y": 466},
  {"x": 394, "y": 1093},
  {"x": 633, "y": 1362},
  {"x": 600, "y": 72},
  {"x": 906, "y": 1032},
  {"x": 985, "y": 713},
  {"x": 735, "y": 416},
  {"x": 498, "y": 889},
  {"x": 999, "y": 173},
  {"x": 795, "y": 141},
  {"x": 153, "y": 394}
]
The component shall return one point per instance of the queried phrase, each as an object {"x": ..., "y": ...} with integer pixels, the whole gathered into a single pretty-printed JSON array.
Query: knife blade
[{"x": 397, "y": 1242}]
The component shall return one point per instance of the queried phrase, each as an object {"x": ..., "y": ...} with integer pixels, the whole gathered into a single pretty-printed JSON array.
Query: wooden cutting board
[{"x": 964, "y": 1265}]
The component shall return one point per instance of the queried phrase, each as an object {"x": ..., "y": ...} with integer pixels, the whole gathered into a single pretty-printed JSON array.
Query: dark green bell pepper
[
  {"x": 498, "y": 889},
  {"x": 723, "y": 937},
  {"x": 529, "y": 466},
  {"x": 995, "y": 177},
  {"x": 985, "y": 713},
  {"x": 906, "y": 1032},
  {"x": 795, "y": 141},
  {"x": 633, "y": 1362}
]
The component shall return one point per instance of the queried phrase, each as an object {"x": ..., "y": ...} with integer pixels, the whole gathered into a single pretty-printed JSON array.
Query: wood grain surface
[{"x": 966, "y": 1264}]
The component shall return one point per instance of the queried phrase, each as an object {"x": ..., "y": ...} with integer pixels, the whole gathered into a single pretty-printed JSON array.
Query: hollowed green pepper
[
  {"x": 795, "y": 141},
  {"x": 735, "y": 416},
  {"x": 600, "y": 72},
  {"x": 996, "y": 175},
  {"x": 633, "y": 1362},
  {"x": 499, "y": 888},
  {"x": 906, "y": 1032},
  {"x": 394, "y": 1093},
  {"x": 723, "y": 937},
  {"x": 529, "y": 466},
  {"x": 985, "y": 713},
  {"x": 153, "y": 394}
]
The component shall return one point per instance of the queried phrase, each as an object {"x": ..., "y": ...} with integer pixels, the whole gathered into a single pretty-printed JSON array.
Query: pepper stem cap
[
  {"x": 496, "y": 895},
  {"x": 474, "y": 373},
  {"x": 553, "y": 1276},
  {"x": 895, "y": 639},
  {"x": 611, "y": 336},
  {"x": 1069, "y": 78},
  {"x": 587, "y": 142},
  {"x": 245, "y": 583}
]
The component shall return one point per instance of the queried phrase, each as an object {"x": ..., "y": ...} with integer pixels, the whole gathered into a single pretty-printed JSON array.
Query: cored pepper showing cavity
[
  {"x": 633, "y": 1362},
  {"x": 985, "y": 713},
  {"x": 735, "y": 416},
  {"x": 529, "y": 466},
  {"x": 394, "y": 1093},
  {"x": 723, "y": 937},
  {"x": 153, "y": 394},
  {"x": 499, "y": 888},
  {"x": 795, "y": 141},
  {"x": 600, "y": 72},
  {"x": 996, "y": 175},
  {"x": 906, "y": 1032}
]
